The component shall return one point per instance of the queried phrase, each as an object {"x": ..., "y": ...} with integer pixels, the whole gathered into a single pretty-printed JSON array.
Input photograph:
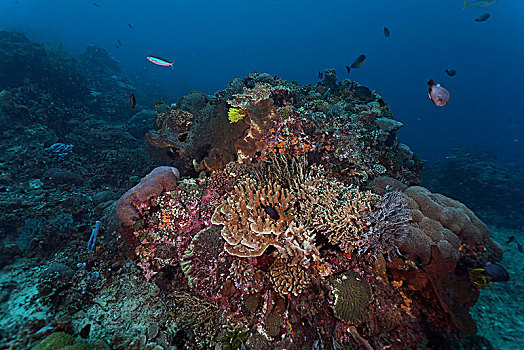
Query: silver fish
[{"x": 479, "y": 3}]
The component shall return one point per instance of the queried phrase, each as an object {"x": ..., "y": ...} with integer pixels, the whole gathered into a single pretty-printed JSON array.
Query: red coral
[{"x": 163, "y": 178}]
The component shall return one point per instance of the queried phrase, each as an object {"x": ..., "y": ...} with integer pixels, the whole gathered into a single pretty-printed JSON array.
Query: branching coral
[
  {"x": 288, "y": 279},
  {"x": 253, "y": 218},
  {"x": 344, "y": 219},
  {"x": 297, "y": 246}
]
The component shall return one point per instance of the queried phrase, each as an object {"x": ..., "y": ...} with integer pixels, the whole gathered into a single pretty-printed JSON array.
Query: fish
[
  {"x": 496, "y": 272},
  {"x": 96, "y": 5},
  {"x": 519, "y": 247},
  {"x": 132, "y": 100},
  {"x": 118, "y": 43},
  {"x": 510, "y": 239},
  {"x": 158, "y": 103},
  {"x": 479, "y": 3},
  {"x": 387, "y": 33},
  {"x": 271, "y": 212},
  {"x": 129, "y": 25},
  {"x": 482, "y": 18},
  {"x": 320, "y": 75},
  {"x": 160, "y": 61},
  {"x": 451, "y": 72},
  {"x": 359, "y": 61},
  {"x": 438, "y": 94}
]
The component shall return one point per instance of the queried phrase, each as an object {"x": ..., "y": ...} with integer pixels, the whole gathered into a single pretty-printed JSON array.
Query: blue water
[{"x": 214, "y": 41}]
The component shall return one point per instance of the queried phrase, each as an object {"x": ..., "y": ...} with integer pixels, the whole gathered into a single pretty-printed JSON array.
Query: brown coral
[
  {"x": 446, "y": 223},
  {"x": 346, "y": 221},
  {"x": 253, "y": 218},
  {"x": 288, "y": 279},
  {"x": 260, "y": 110},
  {"x": 297, "y": 246}
]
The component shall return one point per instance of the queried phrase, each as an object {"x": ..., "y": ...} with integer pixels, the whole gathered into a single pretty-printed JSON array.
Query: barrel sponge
[{"x": 162, "y": 178}]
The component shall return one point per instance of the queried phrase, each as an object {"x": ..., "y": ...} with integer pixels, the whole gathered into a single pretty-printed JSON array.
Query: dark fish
[
  {"x": 482, "y": 18},
  {"x": 84, "y": 332},
  {"x": 129, "y": 25},
  {"x": 451, "y": 72},
  {"x": 158, "y": 103},
  {"x": 387, "y": 33},
  {"x": 96, "y": 5},
  {"x": 510, "y": 239},
  {"x": 132, "y": 100},
  {"x": 438, "y": 94},
  {"x": 271, "y": 212},
  {"x": 496, "y": 272},
  {"x": 519, "y": 247},
  {"x": 359, "y": 61},
  {"x": 119, "y": 43},
  {"x": 320, "y": 75}
]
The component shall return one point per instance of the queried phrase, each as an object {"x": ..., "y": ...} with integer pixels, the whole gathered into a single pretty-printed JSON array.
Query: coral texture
[
  {"x": 248, "y": 228},
  {"x": 352, "y": 295}
]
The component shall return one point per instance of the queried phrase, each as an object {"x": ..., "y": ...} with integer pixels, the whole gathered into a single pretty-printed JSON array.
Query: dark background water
[{"x": 213, "y": 41}]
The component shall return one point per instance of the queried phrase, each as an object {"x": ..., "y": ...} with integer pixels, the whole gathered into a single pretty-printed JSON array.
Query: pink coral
[{"x": 163, "y": 178}]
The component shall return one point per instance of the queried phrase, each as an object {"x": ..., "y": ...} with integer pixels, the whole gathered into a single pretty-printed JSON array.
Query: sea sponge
[
  {"x": 162, "y": 178},
  {"x": 352, "y": 295}
]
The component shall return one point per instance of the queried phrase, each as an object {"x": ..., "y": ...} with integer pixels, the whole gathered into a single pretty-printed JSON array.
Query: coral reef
[{"x": 298, "y": 223}]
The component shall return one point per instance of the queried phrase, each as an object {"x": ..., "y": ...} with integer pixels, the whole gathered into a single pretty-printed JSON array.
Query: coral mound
[{"x": 305, "y": 222}]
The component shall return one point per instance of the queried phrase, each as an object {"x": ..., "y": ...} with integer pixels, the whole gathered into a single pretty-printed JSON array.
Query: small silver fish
[
  {"x": 438, "y": 94},
  {"x": 479, "y": 3}
]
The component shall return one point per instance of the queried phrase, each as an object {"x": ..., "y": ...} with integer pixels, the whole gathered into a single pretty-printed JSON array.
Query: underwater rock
[
  {"x": 388, "y": 125},
  {"x": 59, "y": 176},
  {"x": 103, "y": 196}
]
